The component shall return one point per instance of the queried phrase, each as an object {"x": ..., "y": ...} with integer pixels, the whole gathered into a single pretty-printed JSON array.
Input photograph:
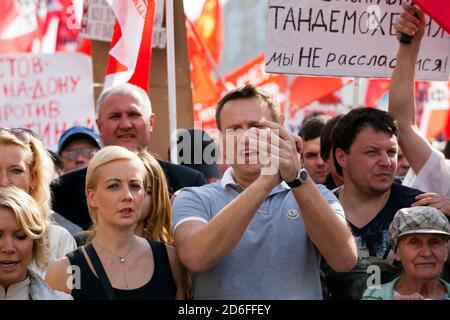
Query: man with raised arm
[{"x": 429, "y": 172}]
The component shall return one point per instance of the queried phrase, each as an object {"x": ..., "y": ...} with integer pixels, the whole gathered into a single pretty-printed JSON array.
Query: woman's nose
[{"x": 7, "y": 245}]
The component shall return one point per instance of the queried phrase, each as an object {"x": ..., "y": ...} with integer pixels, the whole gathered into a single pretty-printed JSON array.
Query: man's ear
[
  {"x": 152, "y": 122},
  {"x": 99, "y": 125},
  {"x": 341, "y": 157}
]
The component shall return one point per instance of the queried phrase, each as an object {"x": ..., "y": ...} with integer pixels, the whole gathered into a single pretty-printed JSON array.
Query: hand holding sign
[{"x": 410, "y": 24}]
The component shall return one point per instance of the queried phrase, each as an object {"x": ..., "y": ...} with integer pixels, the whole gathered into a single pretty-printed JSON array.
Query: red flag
[
  {"x": 376, "y": 88},
  {"x": 38, "y": 26},
  {"x": 68, "y": 26},
  {"x": 204, "y": 87},
  {"x": 332, "y": 98},
  {"x": 305, "y": 90},
  {"x": 130, "y": 54},
  {"x": 209, "y": 27},
  {"x": 19, "y": 26},
  {"x": 439, "y": 10},
  {"x": 85, "y": 46}
]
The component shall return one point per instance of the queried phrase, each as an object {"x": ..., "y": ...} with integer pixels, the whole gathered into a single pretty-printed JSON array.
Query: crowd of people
[{"x": 352, "y": 207}]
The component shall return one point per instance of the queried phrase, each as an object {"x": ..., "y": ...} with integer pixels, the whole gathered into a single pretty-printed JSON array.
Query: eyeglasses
[
  {"x": 87, "y": 153},
  {"x": 22, "y": 134}
]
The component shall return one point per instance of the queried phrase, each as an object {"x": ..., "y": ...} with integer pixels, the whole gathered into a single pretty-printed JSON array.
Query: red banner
[{"x": 209, "y": 27}]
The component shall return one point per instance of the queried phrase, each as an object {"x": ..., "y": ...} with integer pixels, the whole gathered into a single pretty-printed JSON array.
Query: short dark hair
[
  {"x": 312, "y": 127},
  {"x": 326, "y": 138},
  {"x": 348, "y": 128},
  {"x": 248, "y": 92}
]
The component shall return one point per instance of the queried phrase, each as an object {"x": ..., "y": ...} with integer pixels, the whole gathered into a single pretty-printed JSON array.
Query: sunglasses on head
[{"x": 22, "y": 134}]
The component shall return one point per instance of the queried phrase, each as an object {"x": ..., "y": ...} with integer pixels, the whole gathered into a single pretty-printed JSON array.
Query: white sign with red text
[{"x": 47, "y": 93}]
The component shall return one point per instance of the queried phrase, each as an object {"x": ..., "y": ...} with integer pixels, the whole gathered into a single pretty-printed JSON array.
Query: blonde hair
[
  {"x": 157, "y": 225},
  {"x": 41, "y": 169},
  {"x": 104, "y": 156},
  {"x": 29, "y": 219}
]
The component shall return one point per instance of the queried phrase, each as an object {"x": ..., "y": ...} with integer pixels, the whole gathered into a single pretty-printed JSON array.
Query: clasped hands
[{"x": 278, "y": 150}]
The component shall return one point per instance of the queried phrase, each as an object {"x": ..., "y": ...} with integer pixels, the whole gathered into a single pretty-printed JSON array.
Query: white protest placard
[
  {"x": 98, "y": 22},
  {"x": 350, "y": 38},
  {"x": 159, "y": 32},
  {"x": 47, "y": 93}
]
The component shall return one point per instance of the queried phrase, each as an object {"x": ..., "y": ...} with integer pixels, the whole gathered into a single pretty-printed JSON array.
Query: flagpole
[
  {"x": 356, "y": 92},
  {"x": 171, "y": 81}
]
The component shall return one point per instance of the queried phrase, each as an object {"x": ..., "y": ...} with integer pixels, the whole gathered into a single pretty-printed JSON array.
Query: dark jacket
[{"x": 69, "y": 198}]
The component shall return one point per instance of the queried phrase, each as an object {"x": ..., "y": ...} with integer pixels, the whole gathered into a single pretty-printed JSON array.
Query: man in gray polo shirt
[{"x": 250, "y": 235}]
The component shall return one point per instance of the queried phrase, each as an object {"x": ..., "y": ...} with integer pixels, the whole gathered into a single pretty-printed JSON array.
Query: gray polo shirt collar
[{"x": 228, "y": 180}]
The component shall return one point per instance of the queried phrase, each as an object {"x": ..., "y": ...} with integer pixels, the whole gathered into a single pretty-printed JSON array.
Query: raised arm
[{"x": 402, "y": 105}]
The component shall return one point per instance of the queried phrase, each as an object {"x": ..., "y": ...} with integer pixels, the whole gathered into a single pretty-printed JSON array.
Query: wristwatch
[{"x": 302, "y": 177}]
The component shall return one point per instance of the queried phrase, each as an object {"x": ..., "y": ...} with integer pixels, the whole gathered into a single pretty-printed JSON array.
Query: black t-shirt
[{"x": 371, "y": 239}]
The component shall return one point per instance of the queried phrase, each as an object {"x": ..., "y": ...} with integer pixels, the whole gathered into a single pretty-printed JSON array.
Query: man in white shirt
[{"x": 429, "y": 171}]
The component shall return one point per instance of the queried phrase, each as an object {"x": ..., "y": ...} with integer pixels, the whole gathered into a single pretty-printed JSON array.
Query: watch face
[{"x": 303, "y": 176}]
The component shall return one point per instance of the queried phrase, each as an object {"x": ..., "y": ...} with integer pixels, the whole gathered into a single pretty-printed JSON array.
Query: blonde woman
[
  {"x": 22, "y": 240},
  {"x": 155, "y": 220},
  {"x": 117, "y": 264},
  {"x": 26, "y": 164}
]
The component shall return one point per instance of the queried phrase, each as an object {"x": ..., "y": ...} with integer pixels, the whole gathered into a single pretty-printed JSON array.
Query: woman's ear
[{"x": 91, "y": 199}]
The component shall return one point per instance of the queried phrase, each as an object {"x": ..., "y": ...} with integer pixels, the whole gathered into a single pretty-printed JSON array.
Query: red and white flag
[
  {"x": 19, "y": 26},
  {"x": 130, "y": 54}
]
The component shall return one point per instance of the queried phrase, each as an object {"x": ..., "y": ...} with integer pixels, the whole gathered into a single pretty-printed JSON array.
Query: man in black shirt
[{"x": 365, "y": 153}]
